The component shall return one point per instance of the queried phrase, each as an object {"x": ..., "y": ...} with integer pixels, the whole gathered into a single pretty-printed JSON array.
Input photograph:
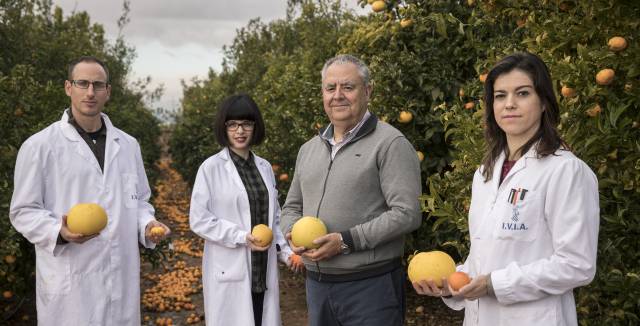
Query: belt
[{"x": 356, "y": 276}]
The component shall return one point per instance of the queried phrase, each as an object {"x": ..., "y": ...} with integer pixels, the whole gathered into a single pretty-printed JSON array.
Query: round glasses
[{"x": 234, "y": 125}]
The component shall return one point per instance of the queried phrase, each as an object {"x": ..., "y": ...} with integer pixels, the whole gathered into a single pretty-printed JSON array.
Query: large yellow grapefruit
[
  {"x": 432, "y": 265},
  {"x": 262, "y": 234},
  {"x": 86, "y": 218},
  {"x": 307, "y": 229}
]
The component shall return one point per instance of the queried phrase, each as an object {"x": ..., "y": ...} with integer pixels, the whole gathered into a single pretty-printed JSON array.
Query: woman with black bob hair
[
  {"x": 234, "y": 191},
  {"x": 534, "y": 214}
]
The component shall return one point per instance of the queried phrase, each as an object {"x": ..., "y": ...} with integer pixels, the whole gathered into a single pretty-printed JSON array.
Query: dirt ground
[{"x": 171, "y": 292}]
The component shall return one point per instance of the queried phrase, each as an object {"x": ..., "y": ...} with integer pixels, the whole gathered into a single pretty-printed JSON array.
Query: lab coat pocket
[
  {"x": 54, "y": 275},
  {"x": 130, "y": 182},
  {"x": 541, "y": 312},
  {"x": 519, "y": 221},
  {"x": 229, "y": 264}
]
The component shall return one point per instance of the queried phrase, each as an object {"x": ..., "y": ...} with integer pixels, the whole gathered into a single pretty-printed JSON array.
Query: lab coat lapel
[
  {"x": 520, "y": 165},
  {"x": 79, "y": 146},
  {"x": 497, "y": 170},
  {"x": 243, "y": 204},
  {"x": 112, "y": 146},
  {"x": 264, "y": 169},
  {"x": 231, "y": 169}
]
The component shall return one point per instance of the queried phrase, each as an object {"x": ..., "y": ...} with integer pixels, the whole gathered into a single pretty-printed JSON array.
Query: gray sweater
[{"x": 369, "y": 191}]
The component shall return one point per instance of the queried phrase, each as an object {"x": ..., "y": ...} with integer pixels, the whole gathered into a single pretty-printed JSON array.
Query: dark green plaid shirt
[{"x": 259, "y": 207}]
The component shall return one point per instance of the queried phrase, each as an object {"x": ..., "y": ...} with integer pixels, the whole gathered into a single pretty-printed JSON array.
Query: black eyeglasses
[
  {"x": 234, "y": 125},
  {"x": 84, "y": 84}
]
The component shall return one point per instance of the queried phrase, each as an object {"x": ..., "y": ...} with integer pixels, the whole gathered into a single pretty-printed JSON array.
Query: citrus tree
[{"x": 279, "y": 65}]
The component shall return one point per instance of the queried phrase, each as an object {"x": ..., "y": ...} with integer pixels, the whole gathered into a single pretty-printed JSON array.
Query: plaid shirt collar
[{"x": 239, "y": 160}]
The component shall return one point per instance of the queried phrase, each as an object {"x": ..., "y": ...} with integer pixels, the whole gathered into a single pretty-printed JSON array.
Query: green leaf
[{"x": 441, "y": 26}]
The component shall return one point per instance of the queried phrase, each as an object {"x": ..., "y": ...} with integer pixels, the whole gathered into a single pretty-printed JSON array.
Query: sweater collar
[{"x": 366, "y": 128}]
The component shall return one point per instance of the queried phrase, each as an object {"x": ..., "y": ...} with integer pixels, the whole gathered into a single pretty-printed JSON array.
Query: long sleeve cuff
[{"x": 490, "y": 291}]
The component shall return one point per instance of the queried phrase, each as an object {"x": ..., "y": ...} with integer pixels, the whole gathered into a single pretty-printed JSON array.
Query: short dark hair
[
  {"x": 547, "y": 135},
  {"x": 239, "y": 107},
  {"x": 91, "y": 59}
]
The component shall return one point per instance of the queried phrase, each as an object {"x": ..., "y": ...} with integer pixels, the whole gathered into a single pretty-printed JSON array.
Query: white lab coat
[
  {"x": 537, "y": 248},
  {"x": 220, "y": 214},
  {"x": 97, "y": 282}
]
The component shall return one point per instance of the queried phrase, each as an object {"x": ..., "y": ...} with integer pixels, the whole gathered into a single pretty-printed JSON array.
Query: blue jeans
[{"x": 378, "y": 300}]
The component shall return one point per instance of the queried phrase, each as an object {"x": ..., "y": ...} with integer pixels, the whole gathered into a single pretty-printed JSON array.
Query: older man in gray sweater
[{"x": 361, "y": 177}]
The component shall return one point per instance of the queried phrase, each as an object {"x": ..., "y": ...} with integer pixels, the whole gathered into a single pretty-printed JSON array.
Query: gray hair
[{"x": 363, "y": 70}]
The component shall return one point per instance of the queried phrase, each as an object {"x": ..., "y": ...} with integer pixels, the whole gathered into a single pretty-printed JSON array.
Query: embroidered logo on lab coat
[{"x": 516, "y": 199}]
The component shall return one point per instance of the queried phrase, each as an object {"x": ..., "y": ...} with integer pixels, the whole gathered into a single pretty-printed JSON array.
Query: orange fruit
[
  {"x": 10, "y": 259},
  {"x": 594, "y": 111},
  {"x": 469, "y": 105},
  {"x": 565, "y": 6},
  {"x": 275, "y": 167},
  {"x": 7, "y": 294},
  {"x": 483, "y": 78},
  {"x": 378, "y": 6},
  {"x": 568, "y": 92},
  {"x": 458, "y": 279},
  {"x": 461, "y": 92},
  {"x": 296, "y": 259},
  {"x": 405, "y": 117},
  {"x": 605, "y": 76},
  {"x": 420, "y": 155},
  {"x": 406, "y": 22},
  {"x": 617, "y": 43},
  {"x": 157, "y": 231},
  {"x": 284, "y": 177}
]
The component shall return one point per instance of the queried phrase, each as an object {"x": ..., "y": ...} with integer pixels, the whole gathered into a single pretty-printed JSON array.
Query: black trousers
[
  {"x": 258, "y": 302},
  {"x": 375, "y": 301}
]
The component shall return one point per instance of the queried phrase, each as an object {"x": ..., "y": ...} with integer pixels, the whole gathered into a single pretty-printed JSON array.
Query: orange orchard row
[{"x": 604, "y": 77}]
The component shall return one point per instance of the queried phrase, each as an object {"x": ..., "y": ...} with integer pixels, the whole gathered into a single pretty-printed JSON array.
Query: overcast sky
[{"x": 177, "y": 40}]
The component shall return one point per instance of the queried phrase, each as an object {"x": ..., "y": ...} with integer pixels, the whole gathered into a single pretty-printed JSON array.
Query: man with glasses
[
  {"x": 84, "y": 279},
  {"x": 361, "y": 177}
]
